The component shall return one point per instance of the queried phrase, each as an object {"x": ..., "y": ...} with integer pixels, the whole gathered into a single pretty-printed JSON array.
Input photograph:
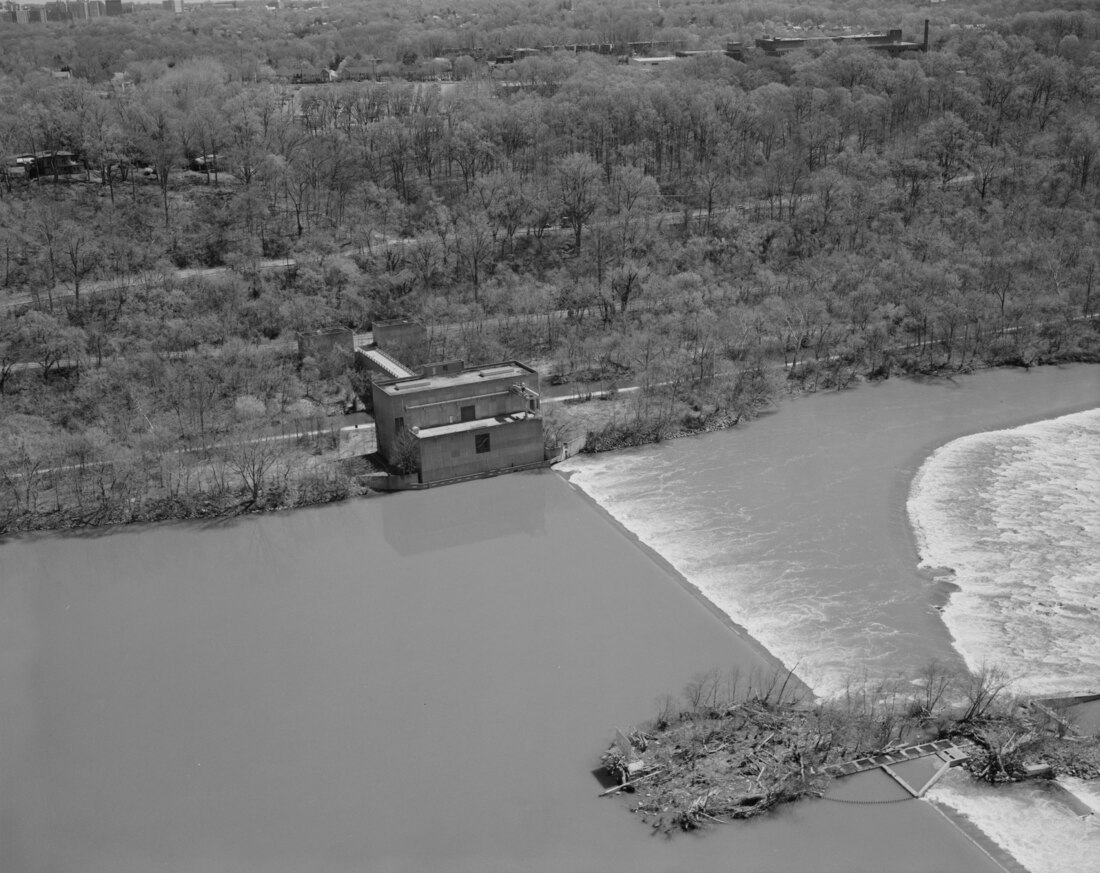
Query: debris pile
[{"x": 719, "y": 767}]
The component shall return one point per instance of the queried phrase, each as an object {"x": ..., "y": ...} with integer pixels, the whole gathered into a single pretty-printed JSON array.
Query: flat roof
[
  {"x": 468, "y": 376},
  {"x": 427, "y": 433}
]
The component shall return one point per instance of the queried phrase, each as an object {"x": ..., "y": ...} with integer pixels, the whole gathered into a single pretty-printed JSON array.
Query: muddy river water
[{"x": 417, "y": 682}]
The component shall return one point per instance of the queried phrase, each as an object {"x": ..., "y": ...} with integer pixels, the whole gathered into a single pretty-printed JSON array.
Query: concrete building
[
  {"x": 652, "y": 62},
  {"x": 453, "y": 421},
  {"x": 361, "y": 70},
  {"x": 398, "y": 332},
  {"x": 52, "y": 164},
  {"x": 889, "y": 42},
  {"x": 323, "y": 343}
]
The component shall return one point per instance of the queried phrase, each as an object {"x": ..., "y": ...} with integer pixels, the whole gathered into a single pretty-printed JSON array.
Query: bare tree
[
  {"x": 254, "y": 457},
  {"x": 578, "y": 186},
  {"x": 982, "y": 690}
]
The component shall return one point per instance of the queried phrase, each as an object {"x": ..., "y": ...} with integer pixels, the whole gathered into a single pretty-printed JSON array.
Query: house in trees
[
  {"x": 451, "y": 421},
  {"x": 301, "y": 73},
  {"x": 889, "y": 42},
  {"x": 18, "y": 166},
  {"x": 360, "y": 70},
  {"x": 60, "y": 163}
]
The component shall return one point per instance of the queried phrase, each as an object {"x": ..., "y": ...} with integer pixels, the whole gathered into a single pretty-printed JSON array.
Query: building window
[
  {"x": 467, "y": 413},
  {"x": 481, "y": 443},
  {"x": 398, "y": 425}
]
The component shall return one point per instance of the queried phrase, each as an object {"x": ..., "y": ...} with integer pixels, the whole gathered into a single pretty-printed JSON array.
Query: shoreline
[
  {"x": 212, "y": 506},
  {"x": 722, "y": 421}
]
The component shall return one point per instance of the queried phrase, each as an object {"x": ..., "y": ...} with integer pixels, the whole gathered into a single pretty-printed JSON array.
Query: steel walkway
[{"x": 950, "y": 752}]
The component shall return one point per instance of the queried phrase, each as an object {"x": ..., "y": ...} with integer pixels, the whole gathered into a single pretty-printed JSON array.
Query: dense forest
[{"x": 690, "y": 227}]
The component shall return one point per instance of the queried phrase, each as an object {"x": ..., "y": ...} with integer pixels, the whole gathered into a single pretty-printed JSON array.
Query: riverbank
[
  {"x": 611, "y": 422},
  {"x": 269, "y": 475}
]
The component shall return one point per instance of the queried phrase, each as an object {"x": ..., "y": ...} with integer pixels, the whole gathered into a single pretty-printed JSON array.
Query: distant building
[
  {"x": 653, "y": 62},
  {"x": 404, "y": 337},
  {"x": 120, "y": 83},
  {"x": 112, "y": 7},
  {"x": 889, "y": 42},
  {"x": 301, "y": 73},
  {"x": 173, "y": 6},
  {"x": 16, "y": 166},
  {"x": 60, "y": 163},
  {"x": 322, "y": 343},
  {"x": 454, "y": 421},
  {"x": 361, "y": 70}
]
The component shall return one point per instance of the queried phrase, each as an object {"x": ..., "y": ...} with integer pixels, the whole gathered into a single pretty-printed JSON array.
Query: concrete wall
[
  {"x": 386, "y": 410},
  {"x": 399, "y": 333},
  {"x": 454, "y": 455},
  {"x": 490, "y": 397},
  {"x": 443, "y": 368},
  {"x": 322, "y": 342}
]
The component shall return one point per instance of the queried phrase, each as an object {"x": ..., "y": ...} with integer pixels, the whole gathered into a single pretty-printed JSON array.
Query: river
[
  {"x": 424, "y": 681},
  {"x": 798, "y": 527}
]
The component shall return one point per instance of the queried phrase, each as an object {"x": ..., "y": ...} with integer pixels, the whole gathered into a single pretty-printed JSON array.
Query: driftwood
[
  {"x": 720, "y": 767},
  {"x": 630, "y": 784},
  {"x": 729, "y": 760}
]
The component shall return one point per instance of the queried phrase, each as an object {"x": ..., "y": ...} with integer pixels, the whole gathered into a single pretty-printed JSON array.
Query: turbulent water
[
  {"x": 1033, "y": 824},
  {"x": 1016, "y": 515},
  {"x": 800, "y": 527}
]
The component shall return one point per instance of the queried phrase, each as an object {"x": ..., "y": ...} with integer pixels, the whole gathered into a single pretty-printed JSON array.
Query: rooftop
[
  {"x": 469, "y": 376},
  {"x": 466, "y": 426}
]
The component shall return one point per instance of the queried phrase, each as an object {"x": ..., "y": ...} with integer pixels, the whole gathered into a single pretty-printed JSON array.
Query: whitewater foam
[
  {"x": 1032, "y": 824},
  {"x": 1016, "y": 515},
  {"x": 1007, "y": 525}
]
